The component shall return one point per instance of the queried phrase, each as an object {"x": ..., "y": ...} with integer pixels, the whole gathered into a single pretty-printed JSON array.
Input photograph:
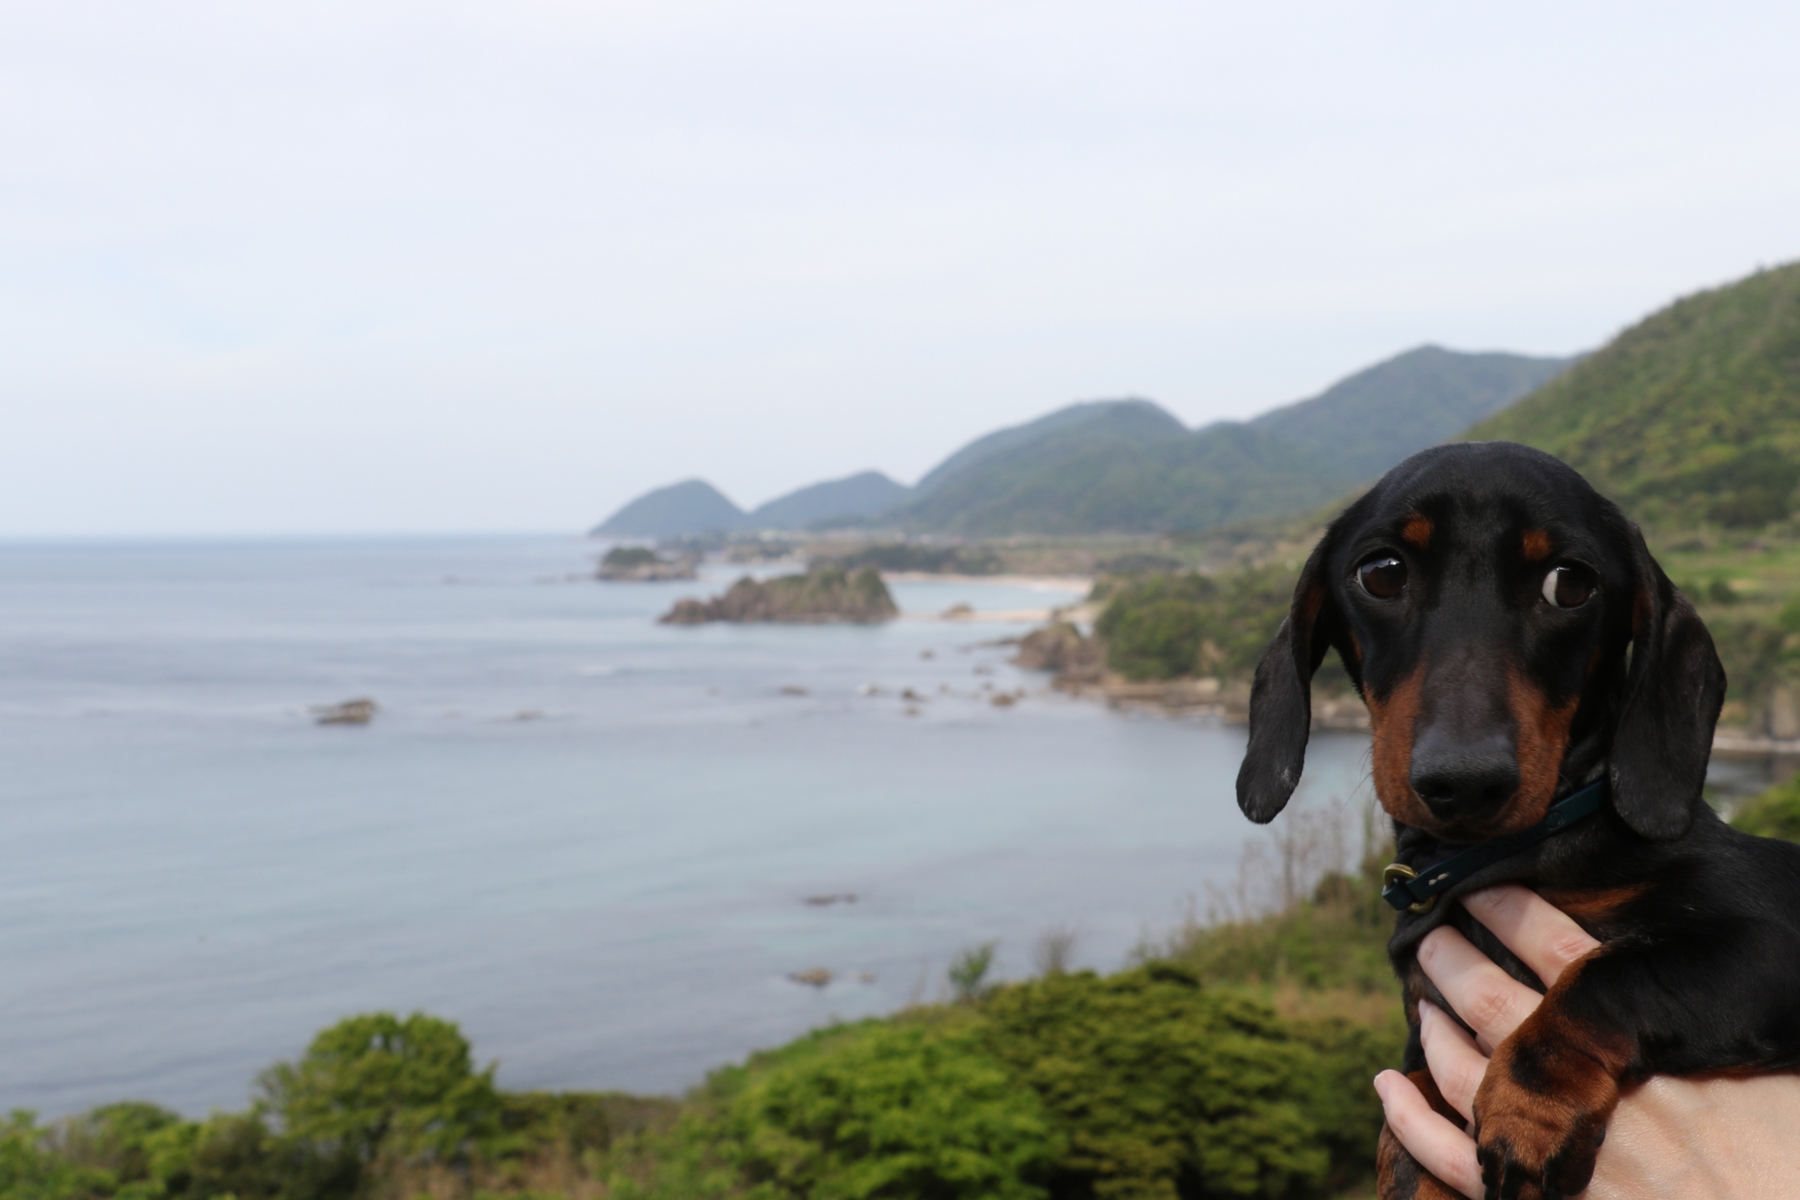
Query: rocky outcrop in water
[
  {"x": 823, "y": 595},
  {"x": 1061, "y": 648},
  {"x": 350, "y": 712}
]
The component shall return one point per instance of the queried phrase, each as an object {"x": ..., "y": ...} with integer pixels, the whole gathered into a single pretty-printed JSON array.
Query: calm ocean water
[{"x": 610, "y": 893}]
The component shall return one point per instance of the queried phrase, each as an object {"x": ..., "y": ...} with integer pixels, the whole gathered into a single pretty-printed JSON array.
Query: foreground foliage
[
  {"x": 1234, "y": 1061},
  {"x": 1144, "y": 1084}
]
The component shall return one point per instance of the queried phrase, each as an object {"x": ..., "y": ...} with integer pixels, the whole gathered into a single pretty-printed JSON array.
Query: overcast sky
[{"x": 380, "y": 266}]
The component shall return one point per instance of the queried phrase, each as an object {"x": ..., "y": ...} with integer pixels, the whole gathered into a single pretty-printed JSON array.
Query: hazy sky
[{"x": 383, "y": 266}]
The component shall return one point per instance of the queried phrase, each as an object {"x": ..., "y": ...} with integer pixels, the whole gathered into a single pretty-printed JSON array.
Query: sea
[{"x": 603, "y": 846}]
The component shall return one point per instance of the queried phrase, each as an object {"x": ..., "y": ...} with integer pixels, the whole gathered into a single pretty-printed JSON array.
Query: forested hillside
[
  {"x": 1691, "y": 416},
  {"x": 1128, "y": 468}
]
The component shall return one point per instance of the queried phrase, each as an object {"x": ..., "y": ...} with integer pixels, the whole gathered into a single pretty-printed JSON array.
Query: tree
[{"x": 376, "y": 1086}]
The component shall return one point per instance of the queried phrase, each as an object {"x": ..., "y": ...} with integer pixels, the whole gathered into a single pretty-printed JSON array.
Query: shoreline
[
  {"x": 990, "y": 616},
  {"x": 1070, "y": 583}
]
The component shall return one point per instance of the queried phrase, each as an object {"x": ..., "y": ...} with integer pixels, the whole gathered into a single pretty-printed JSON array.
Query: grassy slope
[{"x": 1685, "y": 412}]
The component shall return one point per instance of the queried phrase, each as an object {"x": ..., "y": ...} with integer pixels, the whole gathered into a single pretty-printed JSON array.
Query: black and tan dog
[{"x": 1543, "y": 702}]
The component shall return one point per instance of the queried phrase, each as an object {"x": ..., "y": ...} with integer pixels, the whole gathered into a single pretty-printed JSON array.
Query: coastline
[{"x": 1072, "y": 583}]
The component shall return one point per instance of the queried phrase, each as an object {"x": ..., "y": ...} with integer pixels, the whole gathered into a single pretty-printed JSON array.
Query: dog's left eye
[
  {"x": 1568, "y": 587},
  {"x": 1383, "y": 576}
]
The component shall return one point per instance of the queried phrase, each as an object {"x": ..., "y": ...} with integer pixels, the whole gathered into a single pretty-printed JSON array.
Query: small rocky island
[
  {"x": 640, "y": 564},
  {"x": 823, "y": 594}
]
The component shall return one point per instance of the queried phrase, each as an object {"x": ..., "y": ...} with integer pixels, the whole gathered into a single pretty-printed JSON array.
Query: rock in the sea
[
  {"x": 639, "y": 564},
  {"x": 821, "y": 595},
  {"x": 1061, "y": 648},
  {"x": 351, "y": 712}
]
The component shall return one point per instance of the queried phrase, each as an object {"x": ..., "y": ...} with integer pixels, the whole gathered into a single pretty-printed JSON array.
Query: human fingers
[
  {"x": 1456, "y": 1064},
  {"x": 1541, "y": 935},
  {"x": 1489, "y": 1001},
  {"x": 1437, "y": 1145}
]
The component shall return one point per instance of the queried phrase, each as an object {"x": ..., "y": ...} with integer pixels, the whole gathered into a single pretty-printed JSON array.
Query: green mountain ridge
[
  {"x": 862, "y": 495},
  {"x": 1105, "y": 475},
  {"x": 1144, "y": 416},
  {"x": 1692, "y": 413},
  {"x": 1422, "y": 397},
  {"x": 1128, "y": 466}
]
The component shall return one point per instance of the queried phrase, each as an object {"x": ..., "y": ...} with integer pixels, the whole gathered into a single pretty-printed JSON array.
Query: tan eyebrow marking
[
  {"x": 1537, "y": 545},
  {"x": 1417, "y": 530}
]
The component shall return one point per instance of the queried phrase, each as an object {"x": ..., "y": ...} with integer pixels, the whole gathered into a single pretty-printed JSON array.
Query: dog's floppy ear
[
  {"x": 1281, "y": 696},
  {"x": 1672, "y": 698}
]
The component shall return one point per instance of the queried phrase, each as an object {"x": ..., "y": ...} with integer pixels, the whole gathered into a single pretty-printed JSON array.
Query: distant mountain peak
[
  {"x": 865, "y": 494},
  {"x": 1144, "y": 415},
  {"x": 1371, "y": 420},
  {"x": 691, "y": 506}
]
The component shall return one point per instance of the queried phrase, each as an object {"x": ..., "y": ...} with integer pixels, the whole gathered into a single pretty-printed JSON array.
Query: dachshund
[{"x": 1542, "y": 702}]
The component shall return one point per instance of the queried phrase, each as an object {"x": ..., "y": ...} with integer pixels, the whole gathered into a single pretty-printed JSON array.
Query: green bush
[
  {"x": 31, "y": 1169},
  {"x": 1775, "y": 813},
  {"x": 1161, "y": 1088},
  {"x": 889, "y": 1109}
]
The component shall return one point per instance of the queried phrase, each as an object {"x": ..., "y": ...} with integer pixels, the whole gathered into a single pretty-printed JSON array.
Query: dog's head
[{"x": 1509, "y": 632}]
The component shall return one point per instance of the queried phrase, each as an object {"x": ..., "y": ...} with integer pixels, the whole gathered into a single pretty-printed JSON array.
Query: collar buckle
[{"x": 1394, "y": 878}]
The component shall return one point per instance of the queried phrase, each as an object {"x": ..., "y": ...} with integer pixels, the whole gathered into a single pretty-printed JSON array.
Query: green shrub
[
  {"x": 31, "y": 1168},
  {"x": 1161, "y": 1088},
  {"x": 889, "y": 1109},
  {"x": 1775, "y": 813}
]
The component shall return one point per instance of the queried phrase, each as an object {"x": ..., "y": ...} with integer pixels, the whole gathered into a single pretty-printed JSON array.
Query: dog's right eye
[
  {"x": 1383, "y": 577},
  {"x": 1568, "y": 587}
]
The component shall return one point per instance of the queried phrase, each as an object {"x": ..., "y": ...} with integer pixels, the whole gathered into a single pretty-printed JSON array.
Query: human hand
[{"x": 1722, "y": 1138}]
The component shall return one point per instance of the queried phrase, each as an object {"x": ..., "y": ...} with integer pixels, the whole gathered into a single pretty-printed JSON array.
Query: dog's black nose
[{"x": 1461, "y": 777}]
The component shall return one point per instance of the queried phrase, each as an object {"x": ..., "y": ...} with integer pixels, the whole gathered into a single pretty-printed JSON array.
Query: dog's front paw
[{"x": 1548, "y": 1151}]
